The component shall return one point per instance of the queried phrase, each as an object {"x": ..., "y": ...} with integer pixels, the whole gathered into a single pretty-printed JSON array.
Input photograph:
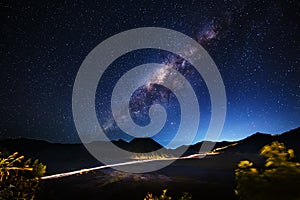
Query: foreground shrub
[
  {"x": 19, "y": 178},
  {"x": 163, "y": 196},
  {"x": 278, "y": 179}
]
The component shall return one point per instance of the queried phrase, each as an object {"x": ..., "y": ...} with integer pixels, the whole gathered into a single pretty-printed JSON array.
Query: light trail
[{"x": 65, "y": 174}]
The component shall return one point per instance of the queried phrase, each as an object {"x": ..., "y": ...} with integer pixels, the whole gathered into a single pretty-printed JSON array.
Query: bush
[
  {"x": 19, "y": 179},
  {"x": 163, "y": 196},
  {"x": 278, "y": 179}
]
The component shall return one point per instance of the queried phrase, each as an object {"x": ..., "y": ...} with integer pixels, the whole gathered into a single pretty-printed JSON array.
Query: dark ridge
[
  {"x": 143, "y": 145},
  {"x": 255, "y": 142},
  {"x": 251, "y": 144},
  {"x": 24, "y": 144},
  {"x": 120, "y": 142}
]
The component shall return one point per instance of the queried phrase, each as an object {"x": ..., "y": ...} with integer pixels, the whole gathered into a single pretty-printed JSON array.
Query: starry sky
[{"x": 255, "y": 45}]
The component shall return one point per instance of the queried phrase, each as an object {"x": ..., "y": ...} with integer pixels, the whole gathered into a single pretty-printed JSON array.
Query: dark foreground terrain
[{"x": 210, "y": 177}]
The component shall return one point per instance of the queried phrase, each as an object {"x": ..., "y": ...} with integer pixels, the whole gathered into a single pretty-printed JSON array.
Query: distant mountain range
[
  {"x": 250, "y": 144},
  {"x": 255, "y": 142},
  {"x": 77, "y": 153}
]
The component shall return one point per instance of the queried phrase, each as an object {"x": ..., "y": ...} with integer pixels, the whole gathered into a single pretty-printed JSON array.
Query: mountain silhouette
[
  {"x": 139, "y": 145},
  {"x": 255, "y": 142},
  {"x": 251, "y": 144}
]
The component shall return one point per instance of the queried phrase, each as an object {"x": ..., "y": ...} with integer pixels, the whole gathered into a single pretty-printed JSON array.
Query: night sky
[{"x": 255, "y": 45}]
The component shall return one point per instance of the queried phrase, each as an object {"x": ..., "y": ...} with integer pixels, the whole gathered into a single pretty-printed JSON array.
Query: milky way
[
  {"x": 152, "y": 93},
  {"x": 213, "y": 29}
]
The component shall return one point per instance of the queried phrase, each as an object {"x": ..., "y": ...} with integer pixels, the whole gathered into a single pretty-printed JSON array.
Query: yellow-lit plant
[
  {"x": 163, "y": 196},
  {"x": 19, "y": 178},
  {"x": 279, "y": 178}
]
